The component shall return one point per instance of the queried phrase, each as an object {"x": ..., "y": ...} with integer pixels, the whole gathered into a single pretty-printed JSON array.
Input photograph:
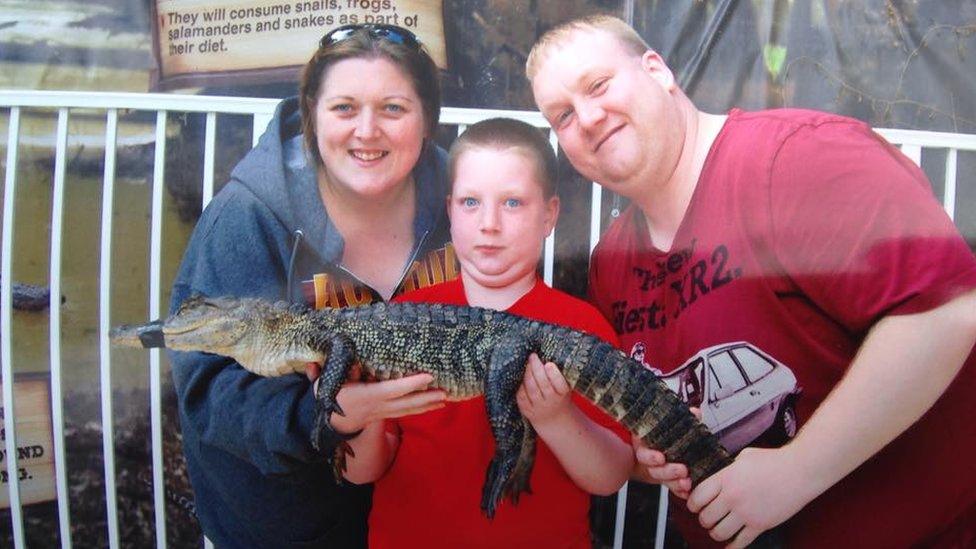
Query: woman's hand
[{"x": 368, "y": 402}]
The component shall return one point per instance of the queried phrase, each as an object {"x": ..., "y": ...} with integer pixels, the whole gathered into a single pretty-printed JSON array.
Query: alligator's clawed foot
[
  {"x": 332, "y": 406},
  {"x": 492, "y": 490},
  {"x": 320, "y": 430},
  {"x": 497, "y": 484},
  {"x": 325, "y": 406},
  {"x": 342, "y": 450},
  {"x": 518, "y": 484}
]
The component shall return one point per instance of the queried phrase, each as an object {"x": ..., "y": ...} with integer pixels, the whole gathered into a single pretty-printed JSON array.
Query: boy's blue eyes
[{"x": 509, "y": 203}]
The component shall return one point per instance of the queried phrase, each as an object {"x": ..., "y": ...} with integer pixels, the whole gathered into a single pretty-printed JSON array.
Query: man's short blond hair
[{"x": 561, "y": 34}]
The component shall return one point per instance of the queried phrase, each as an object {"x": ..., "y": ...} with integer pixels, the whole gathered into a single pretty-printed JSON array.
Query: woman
[{"x": 340, "y": 203}]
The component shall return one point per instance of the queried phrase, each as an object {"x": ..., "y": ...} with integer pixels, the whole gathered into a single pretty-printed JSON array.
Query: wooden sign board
[
  {"x": 223, "y": 42},
  {"x": 35, "y": 446}
]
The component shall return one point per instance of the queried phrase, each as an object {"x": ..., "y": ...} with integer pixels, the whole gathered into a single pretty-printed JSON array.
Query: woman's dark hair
[
  {"x": 365, "y": 43},
  {"x": 504, "y": 134}
]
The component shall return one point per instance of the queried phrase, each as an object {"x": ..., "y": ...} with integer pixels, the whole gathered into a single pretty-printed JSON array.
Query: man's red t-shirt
[
  {"x": 805, "y": 229},
  {"x": 431, "y": 495}
]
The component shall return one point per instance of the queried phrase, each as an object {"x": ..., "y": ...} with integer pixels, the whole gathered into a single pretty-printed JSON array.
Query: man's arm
[
  {"x": 650, "y": 465},
  {"x": 915, "y": 356}
]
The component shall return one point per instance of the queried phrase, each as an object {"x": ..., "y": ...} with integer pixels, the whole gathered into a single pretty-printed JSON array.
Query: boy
[{"x": 429, "y": 468}]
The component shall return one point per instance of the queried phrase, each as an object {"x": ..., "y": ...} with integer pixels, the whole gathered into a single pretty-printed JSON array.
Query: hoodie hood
[{"x": 282, "y": 176}]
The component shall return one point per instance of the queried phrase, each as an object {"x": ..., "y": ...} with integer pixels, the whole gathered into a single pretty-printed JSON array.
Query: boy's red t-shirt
[{"x": 431, "y": 495}]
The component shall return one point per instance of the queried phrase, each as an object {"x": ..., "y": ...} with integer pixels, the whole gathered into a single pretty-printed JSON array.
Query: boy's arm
[
  {"x": 651, "y": 466},
  {"x": 597, "y": 460}
]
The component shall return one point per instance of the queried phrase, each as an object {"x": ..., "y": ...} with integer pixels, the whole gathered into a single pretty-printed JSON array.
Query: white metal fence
[{"x": 15, "y": 104}]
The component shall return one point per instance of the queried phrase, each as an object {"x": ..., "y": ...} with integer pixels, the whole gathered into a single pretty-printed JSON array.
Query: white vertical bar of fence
[
  {"x": 209, "y": 147},
  {"x": 913, "y": 152},
  {"x": 260, "y": 122},
  {"x": 104, "y": 310},
  {"x": 57, "y": 391},
  {"x": 662, "y": 519},
  {"x": 6, "y": 305},
  {"x": 619, "y": 516},
  {"x": 155, "y": 375},
  {"x": 549, "y": 251},
  {"x": 949, "y": 196},
  {"x": 596, "y": 202}
]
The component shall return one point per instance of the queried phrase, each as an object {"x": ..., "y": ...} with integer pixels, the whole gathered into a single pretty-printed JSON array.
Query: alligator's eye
[{"x": 192, "y": 301}]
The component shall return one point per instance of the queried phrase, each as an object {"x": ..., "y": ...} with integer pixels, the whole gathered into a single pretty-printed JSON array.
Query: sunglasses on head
[{"x": 393, "y": 33}]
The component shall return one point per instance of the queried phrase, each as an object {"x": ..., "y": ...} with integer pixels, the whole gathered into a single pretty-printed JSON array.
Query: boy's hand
[
  {"x": 544, "y": 394},
  {"x": 652, "y": 467}
]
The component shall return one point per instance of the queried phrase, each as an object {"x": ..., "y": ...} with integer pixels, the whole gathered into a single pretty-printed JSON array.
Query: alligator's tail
[
  {"x": 645, "y": 405},
  {"x": 639, "y": 400}
]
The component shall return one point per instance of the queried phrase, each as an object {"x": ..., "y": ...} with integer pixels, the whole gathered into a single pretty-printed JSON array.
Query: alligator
[{"x": 469, "y": 351}]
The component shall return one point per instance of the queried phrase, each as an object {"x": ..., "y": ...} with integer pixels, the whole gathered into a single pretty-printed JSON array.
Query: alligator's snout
[{"x": 147, "y": 336}]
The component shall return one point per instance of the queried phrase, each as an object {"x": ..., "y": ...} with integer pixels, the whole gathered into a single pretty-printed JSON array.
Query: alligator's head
[
  {"x": 259, "y": 334},
  {"x": 219, "y": 325}
]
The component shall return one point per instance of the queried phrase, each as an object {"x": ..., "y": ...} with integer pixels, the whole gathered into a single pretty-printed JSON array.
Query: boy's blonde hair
[
  {"x": 557, "y": 36},
  {"x": 507, "y": 133}
]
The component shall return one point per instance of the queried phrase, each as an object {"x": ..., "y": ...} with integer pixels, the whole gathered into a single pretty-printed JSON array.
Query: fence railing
[{"x": 16, "y": 104}]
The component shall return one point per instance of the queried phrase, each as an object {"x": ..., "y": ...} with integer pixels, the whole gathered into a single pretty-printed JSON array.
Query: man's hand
[
  {"x": 544, "y": 394},
  {"x": 758, "y": 491},
  {"x": 653, "y": 467},
  {"x": 365, "y": 403}
]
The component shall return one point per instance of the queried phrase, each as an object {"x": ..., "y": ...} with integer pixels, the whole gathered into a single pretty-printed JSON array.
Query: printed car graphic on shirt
[
  {"x": 638, "y": 353},
  {"x": 744, "y": 394}
]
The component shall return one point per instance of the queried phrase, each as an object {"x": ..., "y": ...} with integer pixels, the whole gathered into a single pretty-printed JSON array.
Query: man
[{"x": 785, "y": 242}]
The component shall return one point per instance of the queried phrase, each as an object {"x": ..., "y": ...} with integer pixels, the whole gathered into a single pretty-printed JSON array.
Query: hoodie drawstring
[{"x": 291, "y": 263}]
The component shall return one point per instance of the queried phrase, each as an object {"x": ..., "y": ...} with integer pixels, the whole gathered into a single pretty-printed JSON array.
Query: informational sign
[
  {"x": 35, "y": 447},
  {"x": 199, "y": 42}
]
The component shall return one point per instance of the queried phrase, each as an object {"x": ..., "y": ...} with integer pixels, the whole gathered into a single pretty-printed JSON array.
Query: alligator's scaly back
[
  {"x": 453, "y": 344},
  {"x": 468, "y": 350}
]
